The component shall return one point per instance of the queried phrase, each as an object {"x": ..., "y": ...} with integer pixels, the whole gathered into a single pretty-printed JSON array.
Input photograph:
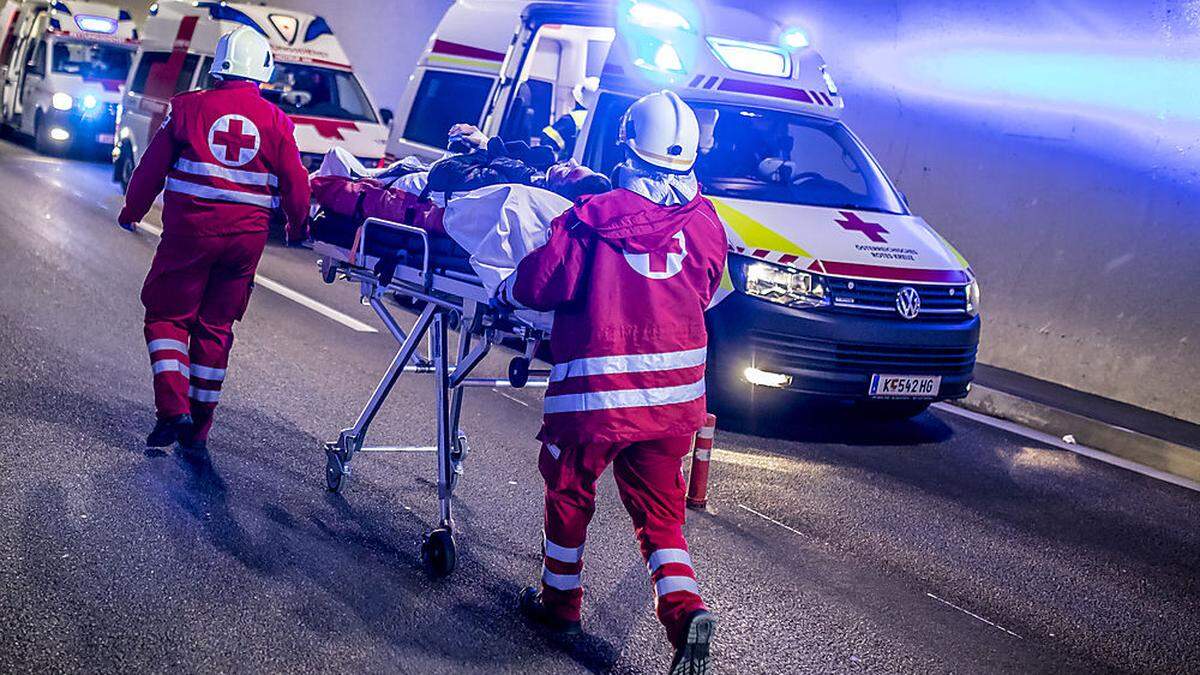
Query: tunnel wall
[{"x": 1057, "y": 145}]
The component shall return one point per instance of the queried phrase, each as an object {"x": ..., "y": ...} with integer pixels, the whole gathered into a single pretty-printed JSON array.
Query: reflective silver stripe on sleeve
[
  {"x": 625, "y": 398},
  {"x": 217, "y": 194},
  {"x": 204, "y": 372},
  {"x": 562, "y": 582},
  {"x": 562, "y": 553},
  {"x": 674, "y": 584},
  {"x": 667, "y": 555},
  {"x": 630, "y": 363},
  {"x": 170, "y": 365},
  {"x": 235, "y": 175},
  {"x": 554, "y": 450},
  {"x": 204, "y": 395},
  {"x": 167, "y": 345}
]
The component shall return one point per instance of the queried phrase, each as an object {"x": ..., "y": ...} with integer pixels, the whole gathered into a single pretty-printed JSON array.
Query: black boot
[
  {"x": 692, "y": 656},
  {"x": 530, "y": 602},
  {"x": 196, "y": 451},
  {"x": 168, "y": 430}
]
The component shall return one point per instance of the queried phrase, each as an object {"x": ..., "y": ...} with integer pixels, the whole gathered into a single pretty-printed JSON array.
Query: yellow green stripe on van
[{"x": 753, "y": 233}]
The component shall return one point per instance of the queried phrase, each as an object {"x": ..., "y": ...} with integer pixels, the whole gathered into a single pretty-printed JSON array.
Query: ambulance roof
[
  {"x": 295, "y": 37},
  {"x": 91, "y": 21},
  {"x": 475, "y": 35}
]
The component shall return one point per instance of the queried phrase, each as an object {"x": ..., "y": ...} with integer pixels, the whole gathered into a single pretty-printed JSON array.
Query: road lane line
[
  {"x": 769, "y": 519},
  {"x": 514, "y": 399},
  {"x": 1054, "y": 441},
  {"x": 974, "y": 615},
  {"x": 295, "y": 296}
]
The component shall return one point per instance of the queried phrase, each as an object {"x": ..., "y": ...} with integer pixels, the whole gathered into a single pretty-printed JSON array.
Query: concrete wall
[{"x": 1057, "y": 144}]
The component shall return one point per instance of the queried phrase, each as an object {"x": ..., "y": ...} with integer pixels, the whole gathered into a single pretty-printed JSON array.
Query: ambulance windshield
[
  {"x": 319, "y": 92},
  {"x": 92, "y": 61},
  {"x": 773, "y": 156}
]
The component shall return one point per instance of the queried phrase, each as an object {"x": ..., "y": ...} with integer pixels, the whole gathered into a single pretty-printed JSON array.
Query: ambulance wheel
[
  {"x": 41, "y": 138},
  {"x": 438, "y": 554},
  {"x": 125, "y": 168},
  {"x": 336, "y": 471}
]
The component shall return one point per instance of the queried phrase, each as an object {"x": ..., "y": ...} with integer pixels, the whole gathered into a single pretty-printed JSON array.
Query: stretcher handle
[{"x": 426, "y": 277}]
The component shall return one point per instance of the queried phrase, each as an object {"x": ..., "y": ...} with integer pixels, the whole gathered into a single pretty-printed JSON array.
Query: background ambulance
[
  {"x": 835, "y": 289},
  {"x": 64, "y": 63},
  {"x": 313, "y": 83}
]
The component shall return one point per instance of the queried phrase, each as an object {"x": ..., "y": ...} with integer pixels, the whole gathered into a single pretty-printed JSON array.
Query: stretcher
[{"x": 386, "y": 257}]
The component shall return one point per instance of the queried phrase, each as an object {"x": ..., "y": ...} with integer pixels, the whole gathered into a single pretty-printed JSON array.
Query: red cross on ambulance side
[
  {"x": 663, "y": 263},
  {"x": 234, "y": 140}
]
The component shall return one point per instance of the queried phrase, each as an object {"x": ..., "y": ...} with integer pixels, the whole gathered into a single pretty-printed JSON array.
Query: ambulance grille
[
  {"x": 790, "y": 352},
  {"x": 878, "y": 298}
]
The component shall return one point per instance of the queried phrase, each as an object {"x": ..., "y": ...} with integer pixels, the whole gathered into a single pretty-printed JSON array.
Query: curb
[{"x": 1172, "y": 458}]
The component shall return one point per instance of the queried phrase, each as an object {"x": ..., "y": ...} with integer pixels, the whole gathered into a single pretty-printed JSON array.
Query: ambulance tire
[
  {"x": 125, "y": 167},
  {"x": 891, "y": 411},
  {"x": 41, "y": 138},
  {"x": 438, "y": 553}
]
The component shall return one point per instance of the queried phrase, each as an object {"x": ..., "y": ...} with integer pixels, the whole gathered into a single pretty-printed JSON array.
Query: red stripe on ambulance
[{"x": 467, "y": 51}]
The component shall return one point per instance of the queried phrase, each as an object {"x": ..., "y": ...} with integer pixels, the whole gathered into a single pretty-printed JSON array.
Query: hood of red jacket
[{"x": 631, "y": 222}]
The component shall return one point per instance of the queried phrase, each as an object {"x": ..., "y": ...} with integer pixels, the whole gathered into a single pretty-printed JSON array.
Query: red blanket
[{"x": 367, "y": 198}]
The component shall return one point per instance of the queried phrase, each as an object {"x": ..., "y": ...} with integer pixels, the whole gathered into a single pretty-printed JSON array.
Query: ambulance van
[
  {"x": 64, "y": 63},
  {"x": 835, "y": 289},
  {"x": 314, "y": 82}
]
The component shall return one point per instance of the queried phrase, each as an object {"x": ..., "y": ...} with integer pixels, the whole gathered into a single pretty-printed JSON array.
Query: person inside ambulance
[
  {"x": 228, "y": 162},
  {"x": 628, "y": 274},
  {"x": 562, "y": 135}
]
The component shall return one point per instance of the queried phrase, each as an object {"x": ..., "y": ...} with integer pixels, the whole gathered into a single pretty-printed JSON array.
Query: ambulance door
[
  {"x": 153, "y": 80},
  {"x": 510, "y": 105},
  {"x": 14, "y": 73},
  {"x": 32, "y": 80}
]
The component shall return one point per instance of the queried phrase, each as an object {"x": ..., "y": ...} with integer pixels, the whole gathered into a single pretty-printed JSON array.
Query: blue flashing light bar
[
  {"x": 96, "y": 24},
  {"x": 752, "y": 57}
]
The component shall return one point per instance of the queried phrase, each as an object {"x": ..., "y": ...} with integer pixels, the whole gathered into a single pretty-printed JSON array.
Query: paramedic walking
[
  {"x": 226, "y": 161},
  {"x": 629, "y": 274}
]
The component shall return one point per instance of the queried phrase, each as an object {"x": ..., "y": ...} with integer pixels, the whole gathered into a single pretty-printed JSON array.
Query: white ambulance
[
  {"x": 314, "y": 82},
  {"x": 64, "y": 63},
  {"x": 835, "y": 288}
]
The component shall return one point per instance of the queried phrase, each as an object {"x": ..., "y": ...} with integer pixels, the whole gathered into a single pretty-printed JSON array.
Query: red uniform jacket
[
  {"x": 228, "y": 160},
  {"x": 629, "y": 281}
]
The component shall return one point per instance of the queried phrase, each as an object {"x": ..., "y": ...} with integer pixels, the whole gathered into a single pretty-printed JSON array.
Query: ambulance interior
[
  {"x": 745, "y": 152},
  {"x": 562, "y": 57}
]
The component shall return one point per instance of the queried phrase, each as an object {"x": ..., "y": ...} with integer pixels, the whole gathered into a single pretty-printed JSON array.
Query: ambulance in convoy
[
  {"x": 64, "y": 63},
  {"x": 834, "y": 288},
  {"x": 314, "y": 82}
]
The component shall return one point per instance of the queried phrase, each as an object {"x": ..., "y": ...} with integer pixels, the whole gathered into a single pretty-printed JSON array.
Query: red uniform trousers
[
  {"x": 650, "y": 481},
  {"x": 196, "y": 289}
]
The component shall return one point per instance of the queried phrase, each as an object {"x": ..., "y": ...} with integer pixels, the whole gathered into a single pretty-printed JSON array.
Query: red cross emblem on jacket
[
  {"x": 663, "y": 263},
  {"x": 233, "y": 140}
]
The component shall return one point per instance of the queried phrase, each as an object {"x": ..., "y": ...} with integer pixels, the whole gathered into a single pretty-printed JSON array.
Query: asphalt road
[{"x": 935, "y": 546}]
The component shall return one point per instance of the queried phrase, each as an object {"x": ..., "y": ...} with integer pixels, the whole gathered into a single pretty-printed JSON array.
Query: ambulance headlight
[
  {"x": 973, "y": 298},
  {"x": 656, "y": 17},
  {"x": 62, "y": 101},
  {"x": 777, "y": 283}
]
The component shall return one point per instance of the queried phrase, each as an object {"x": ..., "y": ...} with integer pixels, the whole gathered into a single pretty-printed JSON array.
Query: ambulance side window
[
  {"x": 153, "y": 63},
  {"x": 37, "y": 60},
  {"x": 443, "y": 100}
]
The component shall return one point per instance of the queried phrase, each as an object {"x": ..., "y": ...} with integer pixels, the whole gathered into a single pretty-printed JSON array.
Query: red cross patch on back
[
  {"x": 233, "y": 140},
  {"x": 662, "y": 264}
]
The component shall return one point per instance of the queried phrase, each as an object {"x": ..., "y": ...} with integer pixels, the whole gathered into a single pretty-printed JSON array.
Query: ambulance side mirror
[{"x": 387, "y": 116}]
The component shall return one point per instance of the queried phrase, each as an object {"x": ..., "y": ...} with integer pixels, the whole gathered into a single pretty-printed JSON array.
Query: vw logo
[{"x": 908, "y": 302}]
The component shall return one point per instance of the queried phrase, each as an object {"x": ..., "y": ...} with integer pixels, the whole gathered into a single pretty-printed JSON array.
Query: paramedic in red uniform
[
  {"x": 629, "y": 274},
  {"x": 228, "y": 162}
]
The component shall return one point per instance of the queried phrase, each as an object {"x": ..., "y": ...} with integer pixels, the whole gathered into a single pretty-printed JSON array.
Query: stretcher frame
[{"x": 450, "y": 299}]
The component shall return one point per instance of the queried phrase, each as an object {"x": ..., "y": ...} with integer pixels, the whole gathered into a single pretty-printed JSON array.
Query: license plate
[
  {"x": 106, "y": 139},
  {"x": 905, "y": 386}
]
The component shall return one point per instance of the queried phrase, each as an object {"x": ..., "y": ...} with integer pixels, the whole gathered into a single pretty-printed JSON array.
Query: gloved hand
[{"x": 131, "y": 227}]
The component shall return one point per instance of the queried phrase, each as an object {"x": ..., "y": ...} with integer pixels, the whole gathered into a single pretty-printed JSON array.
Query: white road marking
[
  {"x": 974, "y": 615},
  {"x": 402, "y": 448},
  {"x": 1059, "y": 443},
  {"x": 294, "y": 296},
  {"x": 514, "y": 399},
  {"x": 771, "y": 520}
]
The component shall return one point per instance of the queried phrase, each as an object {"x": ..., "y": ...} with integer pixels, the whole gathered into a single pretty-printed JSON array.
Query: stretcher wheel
[
  {"x": 518, "y": 372},
  {"x": 438, "y": 554},
  {"x": 329, "y": 273},
  {"x": 336, "y": 470}
]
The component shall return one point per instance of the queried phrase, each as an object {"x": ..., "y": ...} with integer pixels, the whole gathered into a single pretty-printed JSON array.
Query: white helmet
[
  {"x": 586, "y": 92},
  {"x": 244, "y": 53},
  {"x": 662, "y": 130}
]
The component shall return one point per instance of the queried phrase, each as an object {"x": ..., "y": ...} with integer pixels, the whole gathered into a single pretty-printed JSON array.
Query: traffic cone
[{"x": 697, "y": 496}]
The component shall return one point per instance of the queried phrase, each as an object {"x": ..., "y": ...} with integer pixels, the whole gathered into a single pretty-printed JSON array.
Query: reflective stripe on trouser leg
[{"x": 166, "y": 344}]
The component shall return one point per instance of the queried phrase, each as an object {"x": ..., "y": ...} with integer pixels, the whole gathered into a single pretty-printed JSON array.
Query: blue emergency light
[
  {"x": 752, "y": 57},
  {"x": 90, "y": 23},
  {"x": 661, "y": 36}
]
